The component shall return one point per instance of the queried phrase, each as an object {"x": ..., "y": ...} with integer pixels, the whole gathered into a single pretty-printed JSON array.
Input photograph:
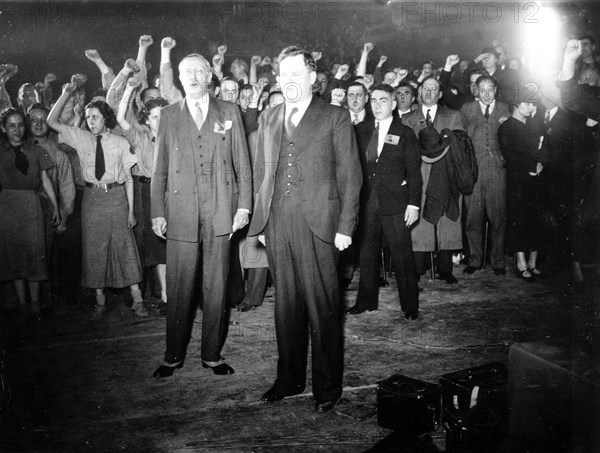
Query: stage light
[{"x": 542, "y": 39}]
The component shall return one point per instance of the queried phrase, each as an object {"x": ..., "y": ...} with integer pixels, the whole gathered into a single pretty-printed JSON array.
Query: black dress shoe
[
  {"x": 325, "y": 406},
  {"x": 448, "y": 278},
  {"x": 411, "y": 315},
  {"x": 470, "y": 269},
  {"x": 221, "y": 369},
  {"x": 356, "y": 310},
  {"x": 500, "y": 271},
  {"x": 271, "y": 396},
  {"x": 164, "y": 371}
]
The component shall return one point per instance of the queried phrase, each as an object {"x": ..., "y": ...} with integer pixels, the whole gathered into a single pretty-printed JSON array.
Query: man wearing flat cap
[
  {"x": 441, "y": 234},
  {"x": 389, "y": 203}
]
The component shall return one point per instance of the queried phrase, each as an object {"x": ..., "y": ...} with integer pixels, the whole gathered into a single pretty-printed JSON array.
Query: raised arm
[
  {"x": 53, "y": 119},
  {"x": 361, "y": 70},
  {"x": 107, "y": 73},
  {"x": 253, "y": 78},
  {"x": 218, "y": 61},
  {"x": 117, "y": 88},
  {"x": 168, "y": 90},
  {"x": 125, "y": 104},
  {"x": 145, "y": 41}
]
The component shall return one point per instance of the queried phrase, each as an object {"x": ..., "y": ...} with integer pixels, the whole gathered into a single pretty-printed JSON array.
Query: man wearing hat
[
  {"x": 390, "y": 197},
  {"x": 443, "y": 233},
  {"x": 508, "y": 79}
]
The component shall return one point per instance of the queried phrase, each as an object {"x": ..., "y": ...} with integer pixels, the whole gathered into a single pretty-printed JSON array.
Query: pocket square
[
  {"x": 220, "y": 128},
  {"x": 392, "y": 139},
  {"x": 403, "y": 183}
]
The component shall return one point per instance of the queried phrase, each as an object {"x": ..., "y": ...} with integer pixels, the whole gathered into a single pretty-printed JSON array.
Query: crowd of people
[{"x": 286, "y": 171}]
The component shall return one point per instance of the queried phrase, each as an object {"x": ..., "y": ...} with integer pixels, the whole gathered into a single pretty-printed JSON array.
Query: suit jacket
[
  {"x": 328, "y": 165},
  {"x": 397, "y": 175},
  {"x": 174, "y": 187}
]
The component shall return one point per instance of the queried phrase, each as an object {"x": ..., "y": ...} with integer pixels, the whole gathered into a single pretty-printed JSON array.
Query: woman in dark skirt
[
  {"x": 520, "y": 147},
  {"x": 110, "y": 256},
  {"x": 22, "y": 229},
  {"x": 141, "y": 136}
]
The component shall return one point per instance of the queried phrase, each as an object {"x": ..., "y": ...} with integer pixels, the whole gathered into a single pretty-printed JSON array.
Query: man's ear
[
  {"x": 313, "y": 77},
  {"x": 394, "y": 104},
  {"x": 440, "y": 94}
]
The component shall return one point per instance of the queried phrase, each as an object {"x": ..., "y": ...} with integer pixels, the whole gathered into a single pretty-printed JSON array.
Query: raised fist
[
  {"x": 222, "y": 49},
  {"x": 92, "y": 54},
  {"x": 78, "y": 80},
  {"x": 343, "y": 70},
  {"x": 316, "y": 55},
  {"x": 218, "y": 60},
  {"x": 452, "y": 60},
  {"x": 382, "y": 59},
  {"x": 368, "y": 47},
  {"x": 146, "y": 41},
  {"x": 132, "y": 66},
  {"x": 168, "y": 43},
  {"x": 256, "y": 59},
  {"x": 49, "y": 78},
  {"x": 265, "y": 61}
]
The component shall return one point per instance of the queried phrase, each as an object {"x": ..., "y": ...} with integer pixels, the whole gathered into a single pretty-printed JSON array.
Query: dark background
[{"x": 42, "y": 37}]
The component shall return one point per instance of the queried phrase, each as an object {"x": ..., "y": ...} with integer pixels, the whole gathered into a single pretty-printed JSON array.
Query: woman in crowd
[
  {"x": 110, "y": 257},
  {"x": 520, "y": 147},
  {"x": 22, "y": 234},
  {"x": 153, "y": 252}
]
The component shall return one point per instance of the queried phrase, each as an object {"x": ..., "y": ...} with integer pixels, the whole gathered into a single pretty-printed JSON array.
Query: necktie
[
  {"x": 198, "y": 116},
  {"x": 289, "y": 126},
  {"x": 487, "y": 112},
  {"x": 355, "y": 121},
  {"x": 372, "y": 154},
  {"x": 100, "y": 166},
  {"x": 21, "y": 161},
  {"x": 428, "y": 117},
  {"x": 547, "y": 117}
]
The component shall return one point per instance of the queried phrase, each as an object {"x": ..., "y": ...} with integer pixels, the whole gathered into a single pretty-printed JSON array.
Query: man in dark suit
[
  {"x": 391, "y": 194},
  {"x": 307, "y": 179},
  {"x": 201, "y": 193}
]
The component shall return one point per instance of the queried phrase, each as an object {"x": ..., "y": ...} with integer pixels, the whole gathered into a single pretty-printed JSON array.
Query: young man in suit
[
  {"x": 390, "y": 201},
  {"x": 445, "y": 235},
  {"x": 307, "y": 180},
  {"x": 201, "y": 194},
  {"x": 484, "y": 116}
]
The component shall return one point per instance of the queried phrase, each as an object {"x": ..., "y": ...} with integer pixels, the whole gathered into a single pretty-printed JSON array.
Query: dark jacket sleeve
[{"x": 581, "y": 99}]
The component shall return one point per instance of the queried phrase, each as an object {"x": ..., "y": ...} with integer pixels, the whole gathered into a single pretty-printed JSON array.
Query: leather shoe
[
  {"x": 500, "y": 271},
  {"x": 271, "y": 396},
  {"x": 448, "y": 278},
  {"x": 411, "y": 315},
  {"x": 221, "y": 369},
  {"x": 325, "y": 406},
  {"x": 164, "y": 371},
  {"x": 356, "y": 310},
  {"x": 470, "y": 269}
]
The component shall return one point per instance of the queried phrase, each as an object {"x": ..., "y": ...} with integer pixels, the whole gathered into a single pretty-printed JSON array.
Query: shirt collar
[
  {"x": 204, "y": 102},
  {"x": 432, "y": 109},
  {"x": 483, "y": 106},
  {"x": 302, "y": 106}
]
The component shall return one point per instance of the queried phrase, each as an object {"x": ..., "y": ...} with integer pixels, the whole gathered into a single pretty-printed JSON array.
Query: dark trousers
[
  {"x": 184, "y": 261},
  {"x": 307, "y": 299},
  {"x": 257, "y": 286},
  {"x": 443, "y": 261},
  {"x": 397, "y": 236}
]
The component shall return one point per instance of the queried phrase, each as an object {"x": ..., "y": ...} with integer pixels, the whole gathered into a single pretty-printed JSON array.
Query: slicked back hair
[{"x": 292, "y": 51}]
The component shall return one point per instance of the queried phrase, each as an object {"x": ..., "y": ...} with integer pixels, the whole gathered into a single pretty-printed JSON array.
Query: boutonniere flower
[{"x": 220, "y": 128}]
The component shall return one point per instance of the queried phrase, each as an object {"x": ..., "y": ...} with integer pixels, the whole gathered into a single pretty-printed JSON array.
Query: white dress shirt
[
  {"x": 482, "y": 106},
  {"x": 301, "y": 106},
  {"x": 432, "y": 111}
]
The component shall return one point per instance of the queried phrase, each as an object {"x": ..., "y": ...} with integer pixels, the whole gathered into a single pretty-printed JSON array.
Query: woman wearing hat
[{"x": 520, "y": 147}]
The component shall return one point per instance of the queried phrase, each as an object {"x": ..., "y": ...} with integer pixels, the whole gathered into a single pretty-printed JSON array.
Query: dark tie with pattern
[
  {"x": 100, "y": 165},
  {"x": 21, "y": 161},
  {"x": 373, "y": 145},
  {"x": 487, "y": 112},
  {"x": 428, "y": 118},
  {"x": 289, "y": 126}
]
